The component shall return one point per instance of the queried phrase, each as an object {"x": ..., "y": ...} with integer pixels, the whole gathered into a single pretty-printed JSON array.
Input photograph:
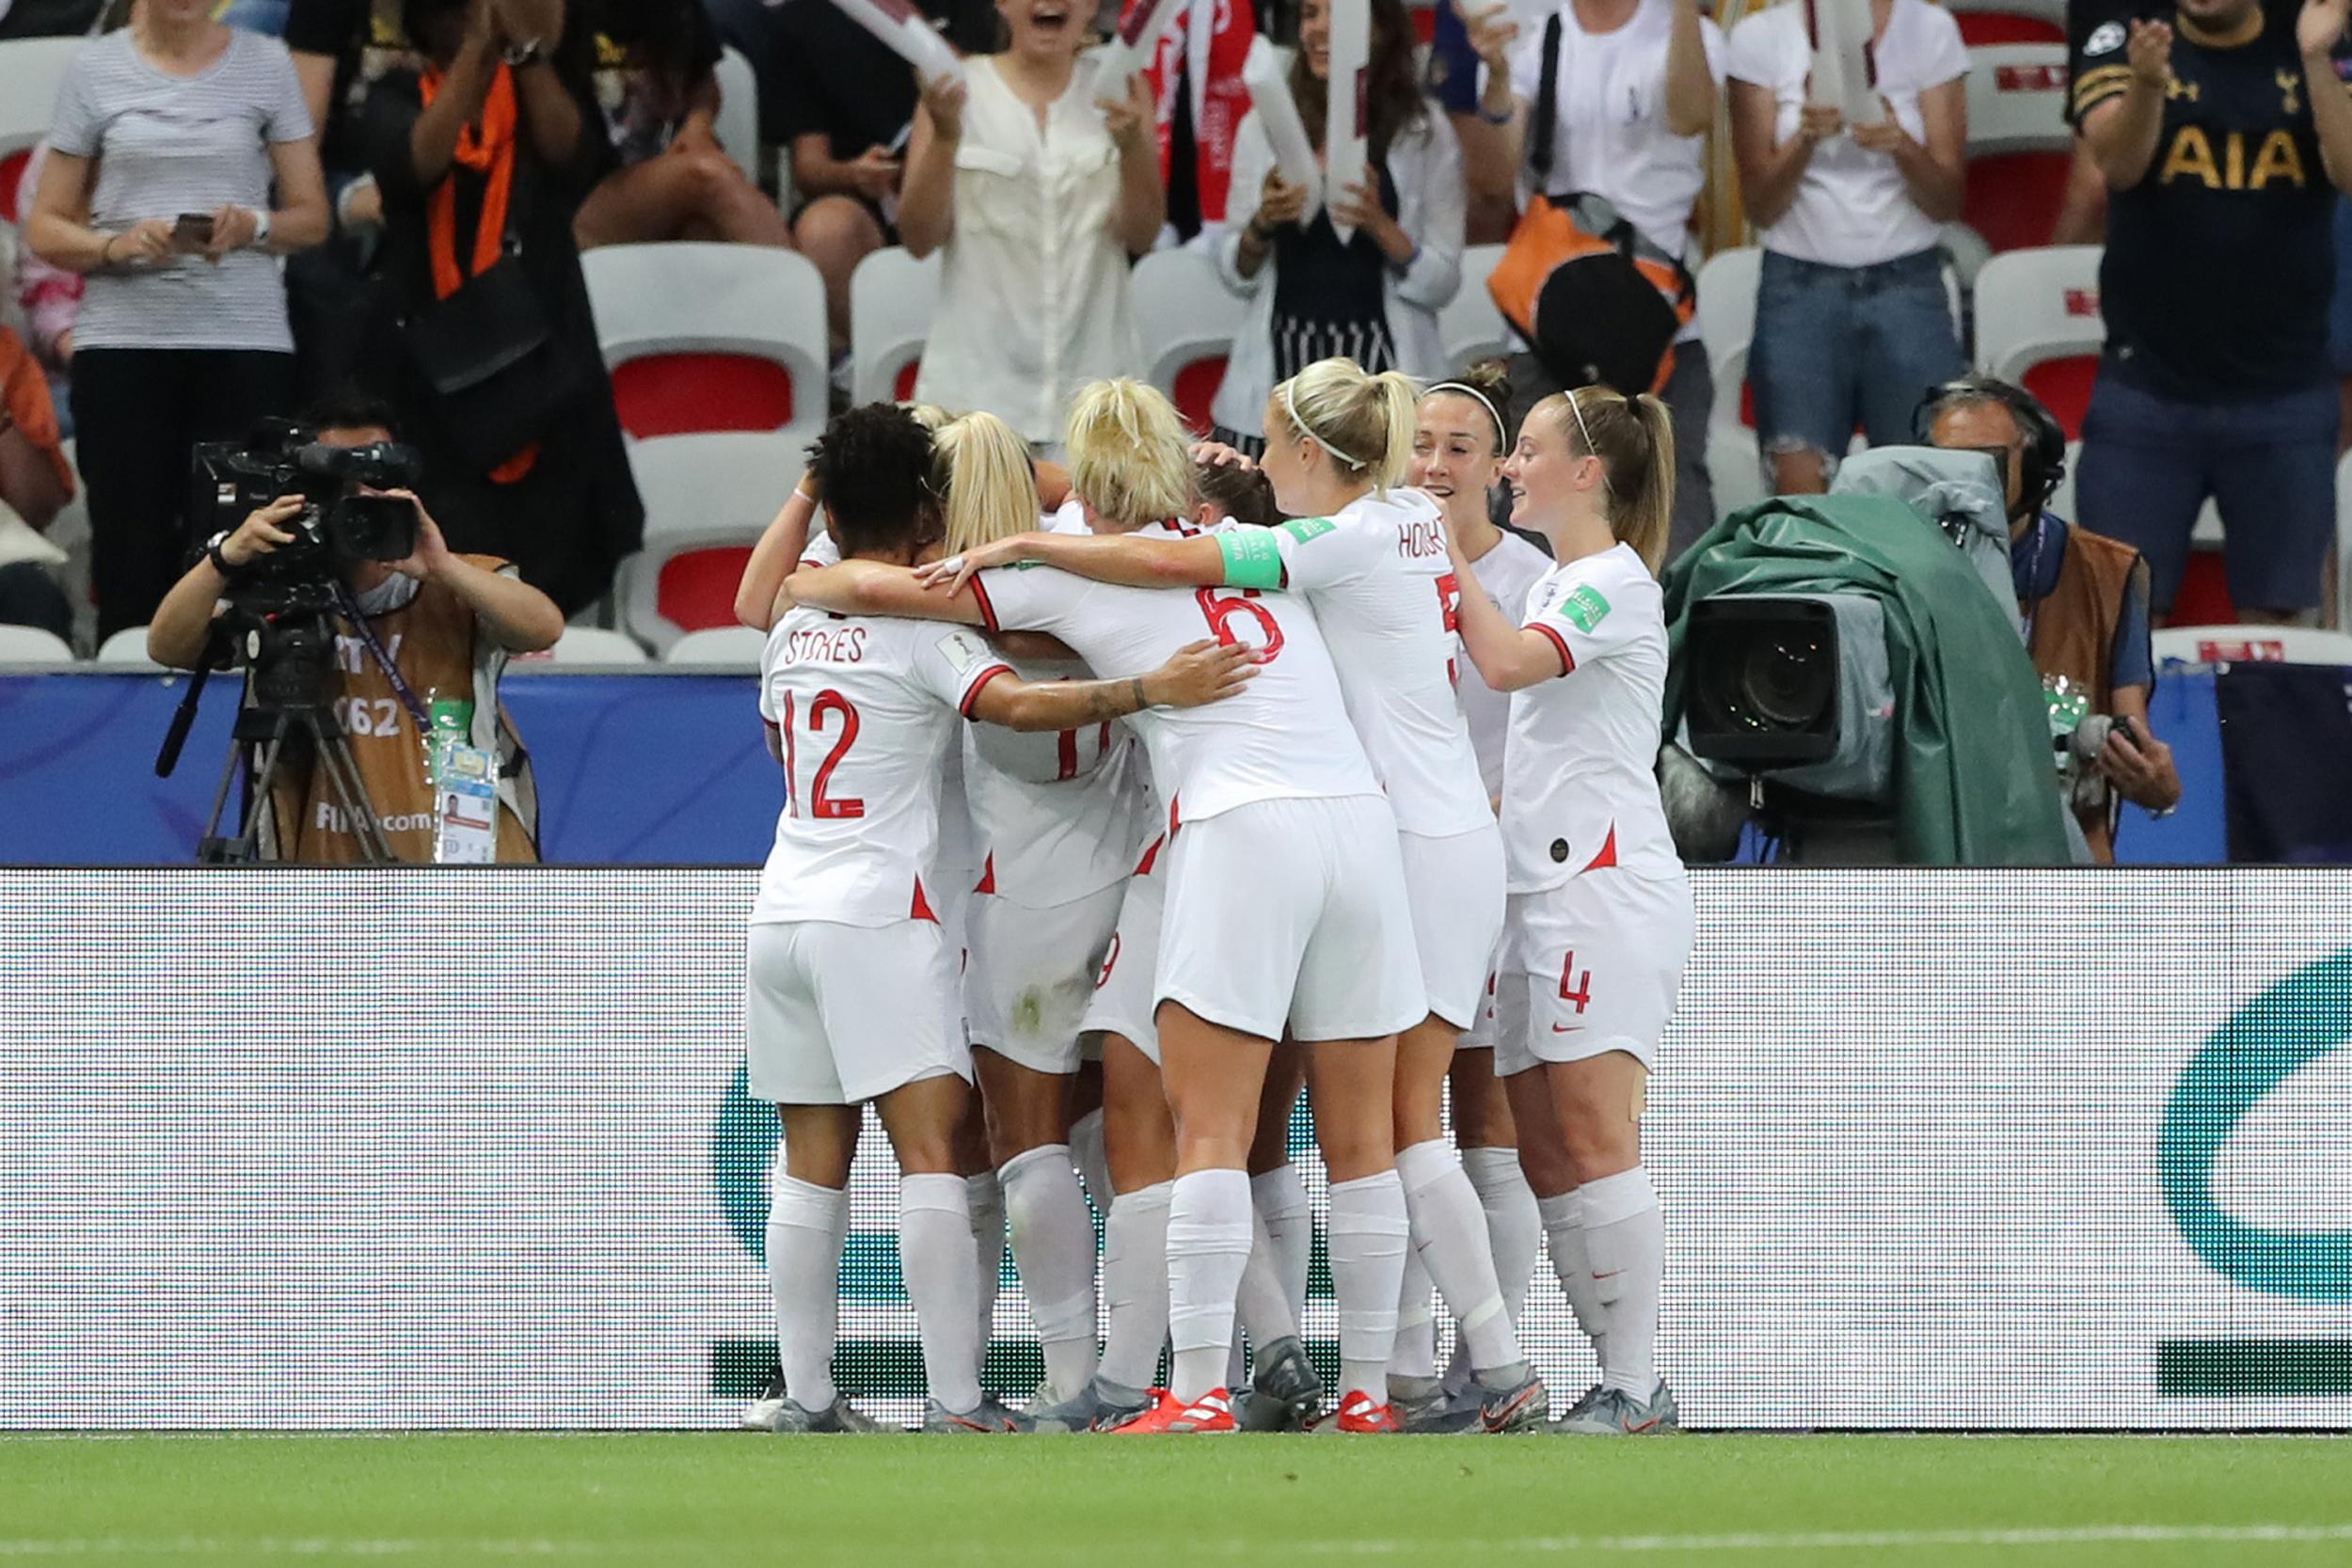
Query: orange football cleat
[
  {"x": 1212, "y": 1412},
  {"x": 1360, "y": 1413}
]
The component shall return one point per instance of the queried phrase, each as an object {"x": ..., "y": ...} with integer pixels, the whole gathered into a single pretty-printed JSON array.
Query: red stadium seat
[
  {"x": 2205, "y": 597},
  {"x": 2014, "y": 197},
  {"x": 11, "y": 176},
  {"x": 679, "y": 394},
  {"x": 903, "y": 389},
  {"x": 1196, "y": 390},
  {"x": 2064, "y": 386},
  {"x": 709, "y": 338},
  {"x": 1978, "y": 28},
  {"x": 695, "y": 590}
]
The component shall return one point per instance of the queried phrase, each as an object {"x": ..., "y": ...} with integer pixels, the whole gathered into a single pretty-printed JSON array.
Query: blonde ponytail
[
  {"x": 1130, "y": 459},
  {"x": 1634, "y": 440},
  {"x": 1364, "y": 421},
  {"x": 981, "y": 473}
]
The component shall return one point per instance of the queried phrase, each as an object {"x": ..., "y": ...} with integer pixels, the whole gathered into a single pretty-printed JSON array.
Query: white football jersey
[
  {"x": 1579, "y": 790},
  {"x": 1378, "y": 575},
  {"x": 867, "y": 708},
  {"x": 1285, "y": 735},
  {"x": 1506, "y": 572},
  {"x": 1054, "y": 812}
]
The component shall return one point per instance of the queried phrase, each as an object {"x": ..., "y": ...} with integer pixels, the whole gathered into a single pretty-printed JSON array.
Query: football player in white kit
[
  {"x": 1372, "y": 561},
  {"x": 1285, "y": 908},
  {"x": 851, "y": 987},
  {"x": 1601, "y": 920}
]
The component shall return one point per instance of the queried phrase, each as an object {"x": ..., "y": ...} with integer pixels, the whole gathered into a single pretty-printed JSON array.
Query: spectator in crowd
[
  {"x": 843, "y": 107},
  {"x": 171, "y": 135},
  {"x": 1199, "y": 99},
  {"x": 2223, "y": 136},
  {"x": 33, "y": 18},
  {"x": 50, "y": 298},
  {"x": 1039, "y": 185},
  {"x": 1374, "y": 297},
  {"x": 2082, "y": 217},
  {"x": 2084, "y": 597},
  {"x": 482, "y": 158},
  {"x": 1638, "y": 84},
  {"x": 447, "y": 623},
  {"x": 35, "y": 482},
  {"x": 1852, "y": 314},
  {"x": 656, "y": 82}
]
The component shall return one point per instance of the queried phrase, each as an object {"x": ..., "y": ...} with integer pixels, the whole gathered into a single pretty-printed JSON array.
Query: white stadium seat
[
  {"x": 708, "y": 500},
  {"x": 2039, "y": 309},
  {"x": 1187, "y": 318},
  {"x": 590, "y": 645},
  {"x": 892, "y": 296},
  {"x": 739, "y": 111},
  {"x": 127, "y": 646},
  {"x": 1727, "y": 284},
  {"x": 2017, "y": 98},
  {"x": 711, "y": 336},
  {"x": 32, "y": 646},
  {"x": 731, "y": 646},
  {"x": 1471, "y": 327},
  {"x": 2244, "y": 644},
  {"x": 30, "y": 70}
]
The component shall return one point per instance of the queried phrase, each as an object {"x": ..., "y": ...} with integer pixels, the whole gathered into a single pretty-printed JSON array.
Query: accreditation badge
[{"x": 466, "y": 807}]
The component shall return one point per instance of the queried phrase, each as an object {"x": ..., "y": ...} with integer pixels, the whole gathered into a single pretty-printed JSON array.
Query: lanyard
[
  {"x": 2033, "y": 576},
  {"x": 391, "y": 672}
]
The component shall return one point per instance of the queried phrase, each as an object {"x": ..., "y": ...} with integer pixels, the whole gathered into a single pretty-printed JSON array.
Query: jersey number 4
[
  {"x": 821, "y": 805},
  {"x": 1575, "y": 985}
]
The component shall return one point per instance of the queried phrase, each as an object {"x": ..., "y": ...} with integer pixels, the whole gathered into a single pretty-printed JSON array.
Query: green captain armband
[{"x": 1251, "y": 559}]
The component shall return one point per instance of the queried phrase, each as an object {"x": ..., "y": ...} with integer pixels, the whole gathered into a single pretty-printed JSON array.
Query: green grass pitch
[{"x": 713, "y": 1500}]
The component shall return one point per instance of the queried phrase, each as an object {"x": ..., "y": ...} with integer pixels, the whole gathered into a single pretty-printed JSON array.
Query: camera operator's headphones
[{"x": 2043, "y": 461}]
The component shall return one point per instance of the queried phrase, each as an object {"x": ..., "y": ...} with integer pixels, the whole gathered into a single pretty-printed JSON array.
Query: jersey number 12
[{"x": 821, "y": 805}]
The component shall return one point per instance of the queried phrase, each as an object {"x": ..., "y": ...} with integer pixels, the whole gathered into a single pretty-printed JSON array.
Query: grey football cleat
[
  {"x": 1098, "y": 1406},
  {"x": 1424, "y": 1407},
  {"x": 990, "y": 1416},
  {"x": 1615, "y": 1413},
  {"x": 760, "y": 1414},
  {"x": 1521, "y": 1404},
  {"x": 839, "y": 1418},
  {"x": 1286, "y": 1393}
]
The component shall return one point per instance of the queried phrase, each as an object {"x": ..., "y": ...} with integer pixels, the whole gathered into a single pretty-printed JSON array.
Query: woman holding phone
[{"x": 171, "y": 136}]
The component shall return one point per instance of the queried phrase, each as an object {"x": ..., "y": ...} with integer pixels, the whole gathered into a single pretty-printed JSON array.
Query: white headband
[
  {"x": 1502, "y": 432},
  {"x": 1290, "y": 406},
  {"x": 1586, "y": 431}
]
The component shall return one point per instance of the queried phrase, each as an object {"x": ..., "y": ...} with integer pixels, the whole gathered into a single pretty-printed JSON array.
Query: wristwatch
[
  {"x": 261, "y": 229},
  {"x": 214, "y": 553},
  {"x": 518, "y": 56}
]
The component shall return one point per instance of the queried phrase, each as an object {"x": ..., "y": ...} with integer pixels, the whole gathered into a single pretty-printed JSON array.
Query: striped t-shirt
[{"x": 167, "y": 145}]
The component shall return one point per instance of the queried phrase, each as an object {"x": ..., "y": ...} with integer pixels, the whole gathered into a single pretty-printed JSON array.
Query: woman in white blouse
[
  {"x": 1374, "y": 298},
  {"x": 1040, "y": 184}
]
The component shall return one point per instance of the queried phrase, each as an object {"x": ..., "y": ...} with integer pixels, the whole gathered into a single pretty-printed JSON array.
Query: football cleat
[
  {"x": 1099, "y": 1405},
  {"x": 988, "y": 1415},
  {"x": 1423, "y": 1407},
  {"x": 1212, "y": 1412},
  {"x": 1615, "y": 1413},
  {"x": 1360, "y": 1414},
  {"x": 760, "y": 1414},
  {"x": 1286, "y": 1393},
  {"x": 840, "y": 1417},
  {"x": 1523, "y": 1406}
]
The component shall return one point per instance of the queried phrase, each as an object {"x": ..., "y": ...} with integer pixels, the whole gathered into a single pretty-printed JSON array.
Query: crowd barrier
[{"x": 338, "y": 1149}]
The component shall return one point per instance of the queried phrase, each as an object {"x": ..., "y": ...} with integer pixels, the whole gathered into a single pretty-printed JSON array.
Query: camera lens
[{"x": 1786, "y": 682}]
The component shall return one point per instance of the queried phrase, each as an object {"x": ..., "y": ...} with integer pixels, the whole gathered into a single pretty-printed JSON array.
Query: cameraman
[
  {"x": 446, "y": 621},
  {"x": 2084, "y": 597}
]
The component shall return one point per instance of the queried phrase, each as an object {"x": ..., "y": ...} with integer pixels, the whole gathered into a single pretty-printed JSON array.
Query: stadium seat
[
  {"x": 2038, "y": 324},
  {"x": 127, "y": 646},
  {"x": 739, "y": 111},
  {"x": 30, "y": 70},
  {"x": 1728, "y": 285},
  {"x": 733, "y": 646},
  {"x": 707, "y": 499},
  {"x": 1997, "y": 22},
  {"x": 711, "y": 336},
  {"x": 1187, "y": 318},
  {"x": 2253, "y": 644},
  {"x": 1471, "y": 327},
  {"x": 2019, "y": 147},
  {"x": 32, "y": 646},
  {"x": 892, "y": 296}
]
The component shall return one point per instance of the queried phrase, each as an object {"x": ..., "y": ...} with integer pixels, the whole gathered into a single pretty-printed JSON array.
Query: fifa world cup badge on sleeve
[{"x": 466, "y": 808}]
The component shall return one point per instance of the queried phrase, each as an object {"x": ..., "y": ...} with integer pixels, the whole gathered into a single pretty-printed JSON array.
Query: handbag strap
[
  {"x": 489, "y": 150},
  {"x": 1546, "y": 109}
]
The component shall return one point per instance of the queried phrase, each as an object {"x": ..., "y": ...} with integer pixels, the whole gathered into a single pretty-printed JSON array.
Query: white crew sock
[
  {"x": 1135, "y": 1285},
  {"x": 1563, "y": 1227},
  {"x": 806, "y": 1226},
  {"x": 987, "y": 1200},
  {"x": 1208, "y": 1247},
  {"x": 1450, "y": 1238},
  {"x": 936, "y": 1261},
  {"x": 1514, "y": 1230},
  {"x": 1053, "y": 1243},
  {"x": 1280, "y": 1196},
  {"x": 1625, "y": 1236},
  {"x": 1370, "y": 1236},
  {"x": 1094, "y": 1165},
  {"x": 1416, "y": 1352}
]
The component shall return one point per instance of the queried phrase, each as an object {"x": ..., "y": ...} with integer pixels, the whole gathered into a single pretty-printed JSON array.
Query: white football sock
[
  {"x": 1416, "y": 1352},
  {"x": 1370, "y": 1236},
  {"x": 1135, "y": 1285},
  {"x": 935, "y": 1259},
  {"x": 1625, "y": 1236},
  {"x": 1053, "y": 1243},
  {"x": 1280, "y": 1196},
  {"x": 987, "y": 1200},
  {"x": 1563, "y": 1229},
  {"x": 1514, "y": 1230},
  {"x": 1094, "y": 1165},
  {"x": 1450, "y": 1238},
  {"x": 1262, "y": 1301},
  {"x": 1208, "y": 1247},
  {"x": 806, "y": 1226}
]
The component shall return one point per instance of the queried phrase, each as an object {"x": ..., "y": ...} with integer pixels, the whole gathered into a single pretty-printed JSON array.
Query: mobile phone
[{"x": 192, "y": 230}]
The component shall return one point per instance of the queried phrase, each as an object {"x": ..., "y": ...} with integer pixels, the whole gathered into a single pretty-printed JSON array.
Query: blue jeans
[
  {"x": 1837, "y": 347},
  {"x": 2270, "y": 462}
]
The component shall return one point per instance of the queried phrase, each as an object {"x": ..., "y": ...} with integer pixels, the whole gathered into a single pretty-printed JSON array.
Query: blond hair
[
  {"x": 1130, "y": 459},
  {"x": 981, "y": 474},
  {"x": 1364, "y": 421},
  {"x": 1634, "y": 440}
]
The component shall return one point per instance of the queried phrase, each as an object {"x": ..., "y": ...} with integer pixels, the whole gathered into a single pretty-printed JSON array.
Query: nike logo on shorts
[{"x": 1567, "y": 1028}]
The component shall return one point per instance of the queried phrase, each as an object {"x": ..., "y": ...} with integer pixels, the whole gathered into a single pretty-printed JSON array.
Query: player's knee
[{"x": 1598, "y": 1139}]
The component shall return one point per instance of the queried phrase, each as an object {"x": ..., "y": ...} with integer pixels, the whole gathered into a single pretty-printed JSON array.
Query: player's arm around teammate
[{"x": 1600, "y": 921}]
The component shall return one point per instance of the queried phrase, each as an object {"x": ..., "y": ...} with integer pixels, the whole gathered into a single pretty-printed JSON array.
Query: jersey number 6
[{"x": 1221, "y": 612}]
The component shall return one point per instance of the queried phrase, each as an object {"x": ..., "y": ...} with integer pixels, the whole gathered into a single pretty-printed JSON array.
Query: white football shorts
[
  {"x": 1292, "y": 912},
  {"x": 1123, "y": 1001},
  {"x": 1456, "y": 888},
  {"x": 839, "y": 1014},
  {"x": 1590, "y": 966},
  {"x": 1031, "y": 973}
]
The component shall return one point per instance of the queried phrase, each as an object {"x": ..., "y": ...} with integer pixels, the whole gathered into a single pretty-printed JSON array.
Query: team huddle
[{"x": 1145, "y": 794}]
